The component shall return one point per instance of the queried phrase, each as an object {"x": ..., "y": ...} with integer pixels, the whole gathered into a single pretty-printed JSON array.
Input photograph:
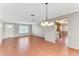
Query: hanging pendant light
[{"x": 47, "y": 22}]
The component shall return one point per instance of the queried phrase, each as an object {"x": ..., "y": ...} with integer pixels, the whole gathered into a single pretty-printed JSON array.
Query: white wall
[
  {"x": 73, "y": 29},
  {"x": 73, "y": 32},
  {"x": 50, "y": 34},
  {"x": 1, "y": 31},
  {"x": 38, "y": 30}
]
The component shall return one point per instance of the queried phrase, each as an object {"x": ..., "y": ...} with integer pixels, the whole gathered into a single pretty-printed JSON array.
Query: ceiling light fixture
[{"x": 47, "y": 22}]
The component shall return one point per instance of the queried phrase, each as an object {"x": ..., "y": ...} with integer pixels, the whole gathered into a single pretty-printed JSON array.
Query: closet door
[{"x": 8, "y": 30}]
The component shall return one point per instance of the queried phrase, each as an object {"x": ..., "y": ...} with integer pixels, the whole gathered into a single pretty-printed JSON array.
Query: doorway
[{"x": 62, "y": 32}]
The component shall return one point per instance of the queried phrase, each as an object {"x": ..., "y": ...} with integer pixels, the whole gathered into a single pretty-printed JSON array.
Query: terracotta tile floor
[{"x": 33, "y": 46}]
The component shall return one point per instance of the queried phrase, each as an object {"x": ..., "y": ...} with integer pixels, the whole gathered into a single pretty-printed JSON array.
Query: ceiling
[{"x": 21, "y": 12}]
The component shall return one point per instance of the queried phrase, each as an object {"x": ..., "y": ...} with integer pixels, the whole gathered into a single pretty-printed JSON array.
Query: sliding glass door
[{"x": 8, "y": 30}]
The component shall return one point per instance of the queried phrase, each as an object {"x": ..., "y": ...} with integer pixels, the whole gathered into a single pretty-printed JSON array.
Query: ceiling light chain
[
  {"x": 47, "y": 22},
  {"x": 46, "y": 11}
]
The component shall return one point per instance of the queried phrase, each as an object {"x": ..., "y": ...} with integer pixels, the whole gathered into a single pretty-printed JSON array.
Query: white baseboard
[{"x": 73, "y": 47}]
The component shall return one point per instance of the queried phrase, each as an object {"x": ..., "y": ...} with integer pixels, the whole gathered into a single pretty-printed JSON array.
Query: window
[{"x": 23, "y": 29}]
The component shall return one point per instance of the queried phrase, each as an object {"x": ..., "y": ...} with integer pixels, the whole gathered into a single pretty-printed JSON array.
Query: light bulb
[
  {"x": 66, "y": 22},
  {"x": 42, "y": 24},
  {"x": 46, "y": 23}
]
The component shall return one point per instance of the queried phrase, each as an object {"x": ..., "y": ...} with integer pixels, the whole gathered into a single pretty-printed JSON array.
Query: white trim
[
  {"x": 73, "y": 47},
  {"x": 72, "y": 11}
]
